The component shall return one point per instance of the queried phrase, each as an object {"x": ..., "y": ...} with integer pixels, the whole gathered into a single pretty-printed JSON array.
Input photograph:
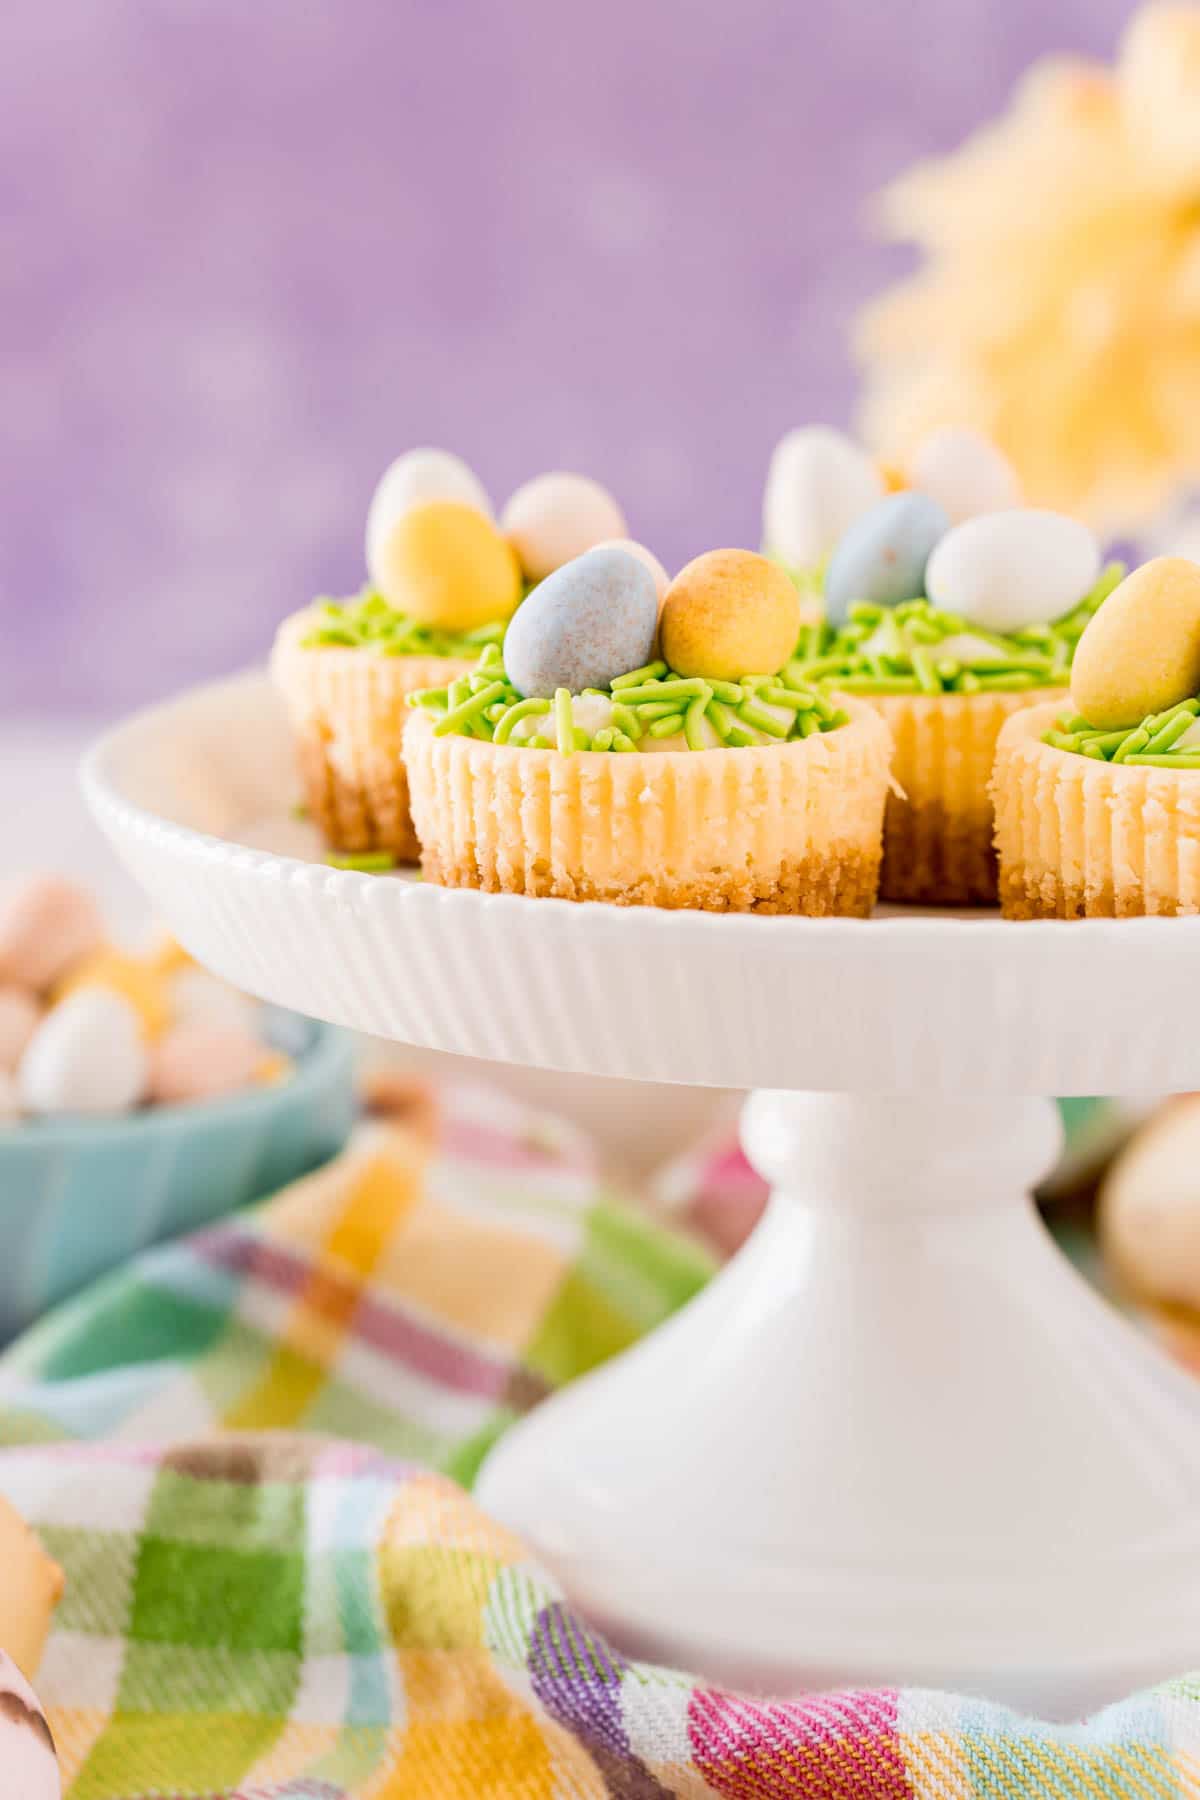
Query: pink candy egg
[
  {"x": 198, "y": 1060},
  {"x": 46, "y": 924},
  {"x": 555, "y": 518},
  {"x": 19, "y": 1015}
]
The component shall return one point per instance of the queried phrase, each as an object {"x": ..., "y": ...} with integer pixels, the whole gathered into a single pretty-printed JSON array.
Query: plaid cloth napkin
[{"x": 274, "y": 1615}]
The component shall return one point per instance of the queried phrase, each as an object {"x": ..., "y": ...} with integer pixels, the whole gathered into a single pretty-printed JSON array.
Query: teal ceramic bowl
[{"x": 78, "y": 1197}]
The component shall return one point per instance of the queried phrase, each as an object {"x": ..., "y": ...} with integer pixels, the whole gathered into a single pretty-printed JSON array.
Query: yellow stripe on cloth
[
  {"x": 468, "y": 1732},
  {"x": 380, "y": 1192}
]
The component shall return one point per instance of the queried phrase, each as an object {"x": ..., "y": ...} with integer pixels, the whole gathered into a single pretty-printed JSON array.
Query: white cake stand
[{"x": 898, "y": 1439}]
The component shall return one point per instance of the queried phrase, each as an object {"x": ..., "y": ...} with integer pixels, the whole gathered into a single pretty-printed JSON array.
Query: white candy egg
[
  {"x": 965, "y": 473},
  {"x": 196, "y": 997},
  {"x": 819, "y": 481},
  {"x": 27, "y": 1754},
  {"x": 19, "y": 1014},
  {"x": 86, "y": 1056},
  {"x": 413, "y": 478},
  {"x": 662, "y": 580},
  {"x": 1005, "y": 570},
  {"x": 557, "y": 517}
]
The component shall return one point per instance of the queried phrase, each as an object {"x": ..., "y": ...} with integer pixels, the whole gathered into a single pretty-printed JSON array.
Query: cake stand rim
[{"x": 898, "y": 927}]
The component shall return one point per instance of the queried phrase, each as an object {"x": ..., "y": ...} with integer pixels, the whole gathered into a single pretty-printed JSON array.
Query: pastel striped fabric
[{"x": 258, "y": 1609}]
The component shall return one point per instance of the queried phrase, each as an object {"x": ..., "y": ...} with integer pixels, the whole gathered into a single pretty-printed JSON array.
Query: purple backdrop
[{"x": 257, "y": 249}]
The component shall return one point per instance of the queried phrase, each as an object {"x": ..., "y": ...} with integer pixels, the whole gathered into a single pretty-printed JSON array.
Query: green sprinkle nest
[
  {"x": 652, "y": 702},
  {"x": 369, "y": 622},
  {"x": 895, "y": 650},
  {"x": 1154, "y": 744}
]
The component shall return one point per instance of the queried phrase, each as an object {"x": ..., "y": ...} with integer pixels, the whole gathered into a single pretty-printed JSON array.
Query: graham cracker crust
[
  {"x": 349, "y": 711},
  {"x": 1028, "y": 895},
  {"x": 935, "y": 857},
  {"x": 369, "y": 811},
  {"x": 815, "y": 888},
  {"x": 938, "y": 848}
]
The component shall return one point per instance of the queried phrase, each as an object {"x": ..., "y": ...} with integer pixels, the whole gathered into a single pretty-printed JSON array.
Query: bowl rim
[{"x": 327, "y": 1058}]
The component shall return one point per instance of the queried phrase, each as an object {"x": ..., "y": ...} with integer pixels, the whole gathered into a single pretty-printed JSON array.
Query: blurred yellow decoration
[
  {"x": 134, "y": 979},
  {"x": 167, "y": 956},
  {"x": 1058, "y": 305}
]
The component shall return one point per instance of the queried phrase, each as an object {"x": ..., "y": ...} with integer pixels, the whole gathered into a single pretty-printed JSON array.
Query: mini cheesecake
[
  {"x": 775, "y": 828},
  {"x": 347, "y": 704},
  {"x": 1080, "y": 836},
  {"x": 444, "y": 580},
  {"x": 938, "y": 847},
  {"x": 1098, "y": 806},
  {"x": 945, "y": 605},
  {"x": 946, "y": 687}
]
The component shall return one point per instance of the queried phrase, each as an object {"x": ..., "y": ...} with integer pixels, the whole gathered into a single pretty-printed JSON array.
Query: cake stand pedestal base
[{"x": 897, "y": 1440}]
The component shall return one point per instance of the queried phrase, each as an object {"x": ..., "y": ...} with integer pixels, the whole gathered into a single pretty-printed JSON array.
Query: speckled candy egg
[
  {"x": 966, "y": 473},
  {"x": 27, "y": 1754},
  {"x": 1141, "y": 652},
  {"x": 1006, "y": 570},
  {"x": 662, "y": 580},
  {"x": 882, "y": 556},
  {"x": 593, "y": 619},
  {"x": 448, "y": 566},
  {"x": 413, "y": 479},
  {"x": 730, "y": 613},
  {"x": 86, "y": 1056},
  {"x": 46, "y": 924},
  {"x": 819, "y": 481},
  {"x": 555, "y": 518}
]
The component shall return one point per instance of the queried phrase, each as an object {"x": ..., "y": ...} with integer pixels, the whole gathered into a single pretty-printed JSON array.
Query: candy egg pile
[
  {"x": 577, "y": 671},
  {"x": 820, "y": 483},
  {"x": 89, "y": 1030},
  {"x": 947, "y": 588},
  {"x": 444, "y": 577}
]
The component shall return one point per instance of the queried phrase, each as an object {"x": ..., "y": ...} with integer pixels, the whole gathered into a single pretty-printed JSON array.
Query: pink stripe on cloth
[
  {"x": 746, "y": 1750},
  {"x": 419, "y": 1346}
]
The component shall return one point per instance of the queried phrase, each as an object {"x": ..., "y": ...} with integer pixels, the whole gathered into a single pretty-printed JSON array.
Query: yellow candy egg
[
  {"x": 448, "y": 566},
  {"x": 730, "y": 613},
  {"x": 1141, "y": 652},
  {"x": 136, "y": 981}
]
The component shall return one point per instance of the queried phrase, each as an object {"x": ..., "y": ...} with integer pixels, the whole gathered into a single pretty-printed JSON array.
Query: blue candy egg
[
  {"x": 882, "y": 556},
  {"x": 591, "y": 620}
]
